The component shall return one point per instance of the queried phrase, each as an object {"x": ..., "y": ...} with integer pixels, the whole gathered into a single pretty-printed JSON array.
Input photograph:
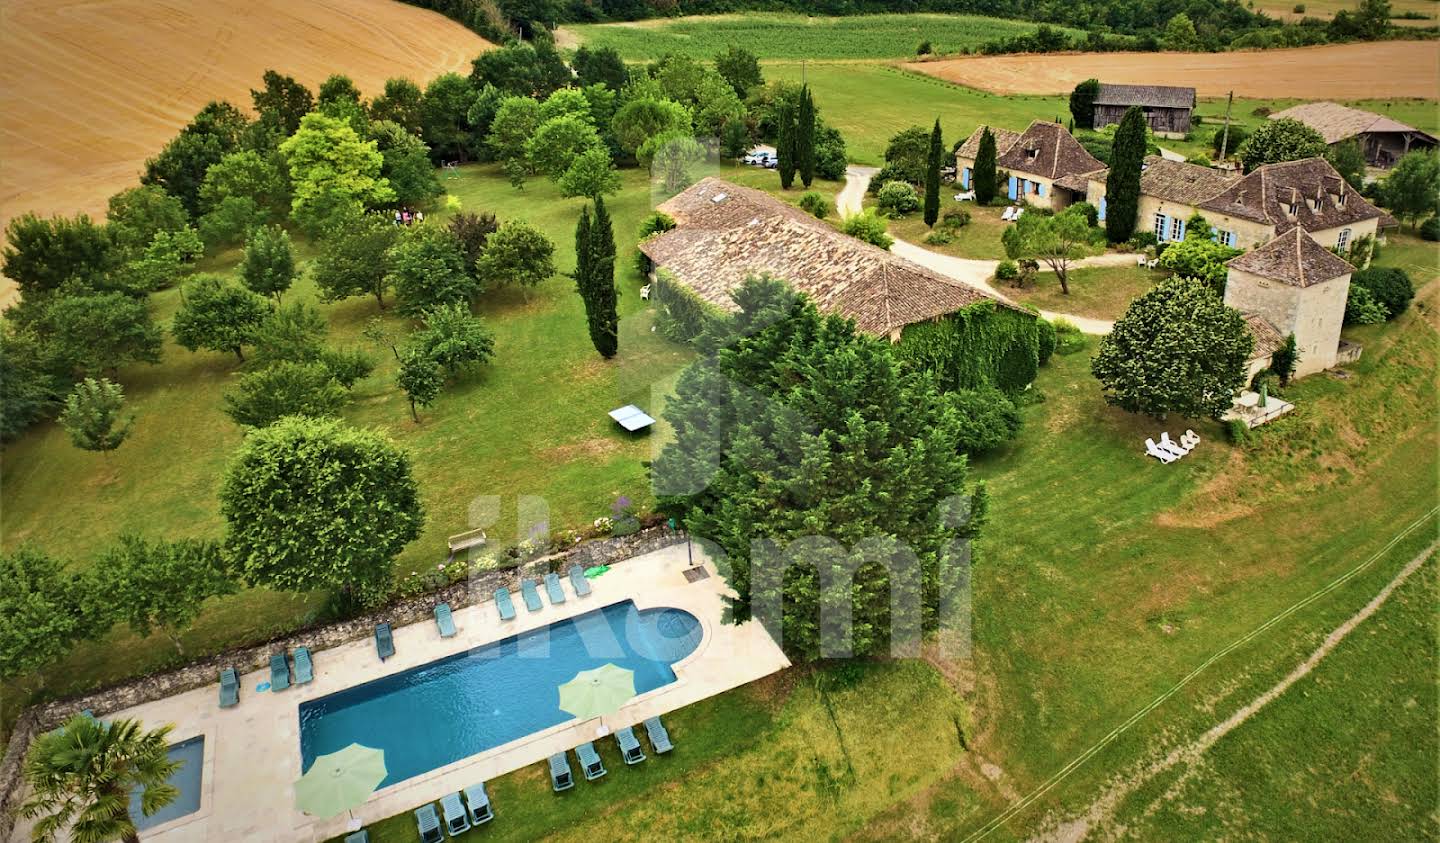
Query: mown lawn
[
  {"x": 1102, "y": 292},
  {"x": 795, "y": 37},
  {"x": 980, "y": 239},
  {"x": 1103, "y": 578}
]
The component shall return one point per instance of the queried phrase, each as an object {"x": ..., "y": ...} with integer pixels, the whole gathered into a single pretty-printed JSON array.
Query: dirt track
[
  {"x": 91, "y": 88},
  {"x": 1344, "y": 71}
]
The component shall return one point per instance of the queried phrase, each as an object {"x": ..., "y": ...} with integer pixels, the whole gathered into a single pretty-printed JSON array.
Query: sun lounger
[
  {"x": 384, "y": 641},
  {"x": 445, "y": 620},
  {"x": 554, "y": 590},
  {"x": 457, "y": 821},
  {"x": 504, "y": 605},
  {"x": 279, "y": 672},
  {"x": 579, "y": 582},
  {"x": 1166, "y": 444},
  {"x": 427, "y": 822},
  {"x": 560, "y": 775},
  {"x": 590, "y": 763},
  {"x": 1018, "y": 213},
  {"x": 1008, "y": 214},
  {"x": 1158, "y": 453},
  {"x": 532, "y": 597},
  {"x": 477, "y": 802},
  {"x": 361, "y": 836},
  {"x": 659, "y": 738},
  {"x": 229, "y": 688},
  {"x": 304, "y": 668},
  {"x": 629, "y": 745},
  {"x": 1190, "y": 438}
]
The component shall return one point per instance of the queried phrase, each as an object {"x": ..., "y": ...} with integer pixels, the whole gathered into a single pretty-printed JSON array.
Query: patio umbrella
[
  {"x": 594, "y": 693},
  {"x": 340, "y": 781}
]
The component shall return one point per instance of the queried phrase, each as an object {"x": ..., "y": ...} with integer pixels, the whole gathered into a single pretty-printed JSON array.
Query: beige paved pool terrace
[{"x": 252, "y": 751}]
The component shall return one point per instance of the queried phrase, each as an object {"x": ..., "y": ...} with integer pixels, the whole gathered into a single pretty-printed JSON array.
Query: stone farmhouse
[
  {"x": 726, "y": 233},
  {"x": 1292, "y": 285},
  {"x": 1167, "y": 109},
  {"x": 1034, "y": 159},
  {"x": 1383, "y": 140},
  {"x": 1245, "y": 211}
]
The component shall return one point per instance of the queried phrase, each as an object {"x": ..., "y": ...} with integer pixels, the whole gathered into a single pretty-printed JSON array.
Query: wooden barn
[{"x": 1166, "y": 108}]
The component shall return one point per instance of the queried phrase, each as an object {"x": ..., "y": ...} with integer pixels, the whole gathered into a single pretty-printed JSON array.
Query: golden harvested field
[
  {"x": 1341, "y": 71},
  {"x": 91, "y": 88},
  {"x": 1326, "y": 9}
]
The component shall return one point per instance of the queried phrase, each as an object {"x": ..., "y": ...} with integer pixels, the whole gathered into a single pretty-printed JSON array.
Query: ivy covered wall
[
  {"x": 981, "y": 344},
  {"x": 680, "y": 314}
]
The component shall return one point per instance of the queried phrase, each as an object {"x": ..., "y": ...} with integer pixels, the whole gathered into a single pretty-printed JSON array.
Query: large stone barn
[
  {"x": 1383, "y": 140},
  {"x": 725, "y": 233},
  {"x": 1167, "y": 109}
]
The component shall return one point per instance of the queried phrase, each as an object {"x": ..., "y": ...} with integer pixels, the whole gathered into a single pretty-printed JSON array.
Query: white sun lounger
[
  {"x": 1158, "y": 453},
  {"x": 1008, "y": 214},
  {"x": 1171, "y": 445},
  {"x": 1189, "y": 438}
]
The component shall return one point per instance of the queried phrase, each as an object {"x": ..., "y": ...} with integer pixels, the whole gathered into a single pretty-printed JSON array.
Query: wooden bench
[{"x": 464, "y": 541}]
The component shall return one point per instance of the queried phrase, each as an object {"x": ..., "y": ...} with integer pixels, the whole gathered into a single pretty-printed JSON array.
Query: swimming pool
[
  {"x": 476, "y": 700},
  {"x": 191, "y": 755}
]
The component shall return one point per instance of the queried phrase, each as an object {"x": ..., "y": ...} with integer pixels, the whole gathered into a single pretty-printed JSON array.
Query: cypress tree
[
  {"x": 984, "y": 176},
  {"x": 785, "y": 146},
  {"x": 932, "y": 177},
  {"x": 1122, "y": 186},
  {"x": 805, "y": 137},
  {"x": 582, "y": 255},
  {"x": 605, "y": 323}
]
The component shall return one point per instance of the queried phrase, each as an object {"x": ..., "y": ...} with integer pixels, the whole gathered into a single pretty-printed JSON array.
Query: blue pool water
[
  {"x": 190, "y": 754},
  {"x": 476, "y": 700}
]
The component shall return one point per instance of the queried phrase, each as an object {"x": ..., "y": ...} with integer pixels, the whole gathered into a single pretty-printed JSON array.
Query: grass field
[
  {"x": 1101, "y": 292},
  {"x": 795, "y": 37},
  {"x": 1101, "y": 582},
  {"x": 131, "y": 73},
  {"x": 1326, "y": 9}
]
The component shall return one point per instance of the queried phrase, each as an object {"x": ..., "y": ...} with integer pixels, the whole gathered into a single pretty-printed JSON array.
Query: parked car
[
  {"x": 771, "y": 163},
  {"x": 756, "y": 157}
]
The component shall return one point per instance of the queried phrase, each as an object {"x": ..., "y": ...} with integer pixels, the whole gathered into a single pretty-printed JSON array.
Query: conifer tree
[
  {"x": 595, "y": 277},
  {"x": 785, "y": 146},
  {"x": 1122, "y": 186},
  {"x": 932, "y": 177},
  {"x": 805, "y": 137},
  {"x": 984, "y": 177}
]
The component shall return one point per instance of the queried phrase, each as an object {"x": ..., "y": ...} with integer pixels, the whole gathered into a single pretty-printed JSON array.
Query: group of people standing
[{"x": 404, "y": 217}]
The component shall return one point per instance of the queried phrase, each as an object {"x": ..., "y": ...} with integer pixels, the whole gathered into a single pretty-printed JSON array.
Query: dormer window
[
  {"x": 1033, "y": 152},
  {"x": 1340, "y": 199}
]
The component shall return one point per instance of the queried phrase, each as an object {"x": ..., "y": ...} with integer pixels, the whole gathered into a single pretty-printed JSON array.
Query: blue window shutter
[
  {"x": 1102, "y": 207},
  {"x": 965, "y": 178},
  {"x": 1014, "y": 186},
  {"x": 1182, "y": 231},
  {"x": 1039, "y": 189},
  {"x": 1164, "y": 228}
]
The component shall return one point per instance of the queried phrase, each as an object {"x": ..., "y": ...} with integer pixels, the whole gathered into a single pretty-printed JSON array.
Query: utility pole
[{"x": 1225, "y": 135}]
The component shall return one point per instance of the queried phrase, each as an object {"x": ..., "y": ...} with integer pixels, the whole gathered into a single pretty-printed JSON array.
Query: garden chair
[
  {"x": 554, "y": 590},
  {"x": 445, "y": 620},
  {"x": 579, "y": 582},
  {"x": 1171, "y": 444},
  {"x": 1155, "y": 451},
  {"x": 629, "y": 745},
  {"x": 590, "y": 763},
  {"x": 279, "y": 672},
  {"x": 427, "y": 822},
  {"x": 659, "y": 737},
  {"x": 532, "y": 597},
  {"x": 229, "y": 688},
  {"x": 1189, "y": 438},
  {"x": 384, "y": 641},
  {"x": 304, "y": 668},
  {"x": 560, "y": 776},
  {"x": 477, "y": 802},
  {"x": 504, "y": 605},
  {"x": 457, "y": 821}
]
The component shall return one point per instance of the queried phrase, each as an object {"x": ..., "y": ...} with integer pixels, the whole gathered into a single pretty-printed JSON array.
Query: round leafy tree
[
  {"x": 1177, "y": 349},
  {"x": 312, "y": 503}
]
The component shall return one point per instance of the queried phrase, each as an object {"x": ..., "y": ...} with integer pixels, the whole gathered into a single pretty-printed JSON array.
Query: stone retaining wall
[{"x": 478, "y": 588}]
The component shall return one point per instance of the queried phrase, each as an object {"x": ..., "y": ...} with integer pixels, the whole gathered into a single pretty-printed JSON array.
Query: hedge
[
  {"x": 680, "y": 314},
  {"x": 983, "y": 344}
]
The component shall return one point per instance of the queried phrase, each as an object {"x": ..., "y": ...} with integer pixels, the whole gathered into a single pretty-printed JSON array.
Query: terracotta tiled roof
[
  {"x": 1337, "y": 122},
  {"x": 1174, "y": 181},
  {"x": 1155, "y": 96},
  {"x": 726, "y": 233},
  {"x": 1267, "y": 339},
  {"x": 1306, "y": 193},
  {"x": 1046, "y": 149},
  {"x": 1004, "y": 139},
  {"x": 1293, "y": 258}
]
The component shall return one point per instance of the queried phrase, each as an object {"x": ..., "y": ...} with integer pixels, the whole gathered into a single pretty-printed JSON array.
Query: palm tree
[{"x": 82, "y": 775}]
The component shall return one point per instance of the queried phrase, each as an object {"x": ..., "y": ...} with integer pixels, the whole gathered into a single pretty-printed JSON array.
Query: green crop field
[{"x": 795, "y": 37}]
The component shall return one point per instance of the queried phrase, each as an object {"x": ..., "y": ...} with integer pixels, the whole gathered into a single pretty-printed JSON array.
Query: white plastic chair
[
  {"x": 645, "y": 292},
  {"x": 1190, "y": 439},
  {"x": 1158, "y": 453},
  {"x": 1171, "y": 445}
]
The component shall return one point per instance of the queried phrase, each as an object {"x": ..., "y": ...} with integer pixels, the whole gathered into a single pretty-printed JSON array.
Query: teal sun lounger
[
  {"x": 554, "y": 590},
  {"x": 590, "y": 762},
  {"x": 532, "y": 597},
  {"x": 445, "y": 620},
  {"x": 427, "y": 822},
  {"x": 659, "y": 737},
  {"x": 477, "y": 801},
  {"x": 229, "y": 688},
  {"x": 361, "y": 836},
  {"x": 560, "y": 775},
  {"x": 579, "y": 582},
  {"x": 504, "y": 605},
  {"x": 304, "y": 668},
  {"x": 384, "y": 641},
  {"x": 279, "y": 672},
  {"x": 629, "y": 745},
  {"x": 456, "y": 820}
]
